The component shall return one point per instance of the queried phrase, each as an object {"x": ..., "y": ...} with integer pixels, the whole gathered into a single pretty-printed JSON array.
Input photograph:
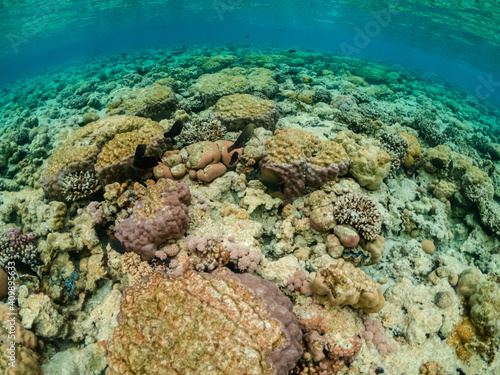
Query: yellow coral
[
  {"x": 343, "y": 284},
  {"x": 413, "y": 151}
]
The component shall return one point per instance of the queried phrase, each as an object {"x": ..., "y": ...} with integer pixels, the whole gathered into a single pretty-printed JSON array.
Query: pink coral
[
  {"x": 299, "y": 281},
  {"x": 245, "y": 259},
  {"x": 375, "y": 335},
  {"x": 206, "y": 253},
  {"x": 160, "y": 216}
]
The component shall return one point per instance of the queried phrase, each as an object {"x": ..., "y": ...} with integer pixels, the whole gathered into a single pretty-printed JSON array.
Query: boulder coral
[
  {"x": 297, "y": 158},
  {"x": 341, "y": 283},
  {"x": 370, "y": 165},
  {"x": 203, "y": 160},
  {"x": 156, "y": 102},
  {"x": 161, "y": 215},
  {"x": 106, "y": 146},
  {"x": 211, "y": 87},
  {"x": 210, "y": 324},
  {"x": 238, "y": 110}
]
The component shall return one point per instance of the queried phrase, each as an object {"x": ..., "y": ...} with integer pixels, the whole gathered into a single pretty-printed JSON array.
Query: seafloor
[{"x": 366, "y": 193}]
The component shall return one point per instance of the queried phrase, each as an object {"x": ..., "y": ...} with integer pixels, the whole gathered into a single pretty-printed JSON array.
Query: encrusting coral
[{"x": 218, "y": 323}]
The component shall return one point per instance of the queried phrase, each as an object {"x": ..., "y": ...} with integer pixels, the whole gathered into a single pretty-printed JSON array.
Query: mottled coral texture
[
  {"x": 108, "y": 145},
  {"x": 161, "y": 215},
  {"x": 343, "y": 284},
  {"x": 210, "y": 324},
  {"x": 299, "y": 159}
]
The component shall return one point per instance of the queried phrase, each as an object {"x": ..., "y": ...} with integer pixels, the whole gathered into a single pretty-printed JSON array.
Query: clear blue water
[{"x": 456, "y": 40}]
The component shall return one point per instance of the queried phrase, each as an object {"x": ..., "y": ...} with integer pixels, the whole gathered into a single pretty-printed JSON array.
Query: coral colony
[{"x": 220, "y": 213}]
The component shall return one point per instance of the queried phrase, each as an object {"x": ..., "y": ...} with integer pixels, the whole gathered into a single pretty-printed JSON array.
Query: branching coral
[
  {"x": 209, "y": 129},
  {"x": 17, "y": 246},
  {"x": 245, "y": 259},
  {"x": 360, "y": 212},
  {"x": 396, "y": 146},
  {"x": 206, "y": 253},
  {"x": 79, "y": 185}
]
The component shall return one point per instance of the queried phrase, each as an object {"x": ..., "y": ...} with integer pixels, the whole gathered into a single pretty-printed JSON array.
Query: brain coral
[
  {"x": 161, "y": 215},
  {"x": 298, "y": 158},
  {"x": 238, "y": 110},
  {"x": 106, "y": 145},
  {"x": 210, "y": 324}
]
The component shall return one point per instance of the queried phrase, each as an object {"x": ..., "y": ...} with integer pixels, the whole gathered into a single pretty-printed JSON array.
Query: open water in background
[{"x": 456, "y": 40}]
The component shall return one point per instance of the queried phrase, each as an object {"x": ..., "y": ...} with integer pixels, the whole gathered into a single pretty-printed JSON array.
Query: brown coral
[
  {"x": 342, "y": 283},
  {"x": 210, "y": 324}
]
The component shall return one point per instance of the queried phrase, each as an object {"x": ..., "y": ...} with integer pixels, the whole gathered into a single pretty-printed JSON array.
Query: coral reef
[
  {"x": 343, "y": 284},
  {"x": 161, "y": 215},
  {"x": 237, "y": 325},
  {"x": 371, "y": 165},
  {"x": 299, "y": 158}
]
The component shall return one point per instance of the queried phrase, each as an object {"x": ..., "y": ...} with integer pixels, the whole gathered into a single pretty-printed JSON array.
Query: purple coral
[
  {"x": 18, "y": 246},
  {"x": 295, "y": 176},
  {"x": 359, "y": 212},
  {"x": 206, "y": 253},
  {"x": 299, "y": 281},
  {"x": 160, "y": 216},
  {"x": 246, "y": 260},
  {"x": 374, "y": 335}
]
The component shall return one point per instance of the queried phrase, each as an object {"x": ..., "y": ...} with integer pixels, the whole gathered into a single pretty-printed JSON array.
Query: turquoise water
[
  {"x": 233, "y": 187},
  {"x": 456, "y": 40}
]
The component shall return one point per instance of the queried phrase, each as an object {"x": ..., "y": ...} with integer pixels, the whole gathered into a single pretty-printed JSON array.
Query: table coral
[
  {"x": 298, "y": 158},
  {"x": 343, "y": 284},
  {"x": 218, "y": 323},
  {"x": 161, "y": 215}
]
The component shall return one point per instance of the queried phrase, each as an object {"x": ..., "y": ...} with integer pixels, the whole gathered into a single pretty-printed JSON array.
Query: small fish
[
  {"x": 244, "y": 137},
  {"x": 291, "y": 50},
  {"x": 134, "y": 175},
  {"x": 438, "y": 163},
  {"x": 246, "y": 36},
  {"x": 175, "y": 130},
  {"x": 144, "y": 162},
  {"x": 305, "y": 79},
  {"x": 116, "y": 244},
  {"x": 270, "y": 178},
  {"x": 234, "y": 159}
]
